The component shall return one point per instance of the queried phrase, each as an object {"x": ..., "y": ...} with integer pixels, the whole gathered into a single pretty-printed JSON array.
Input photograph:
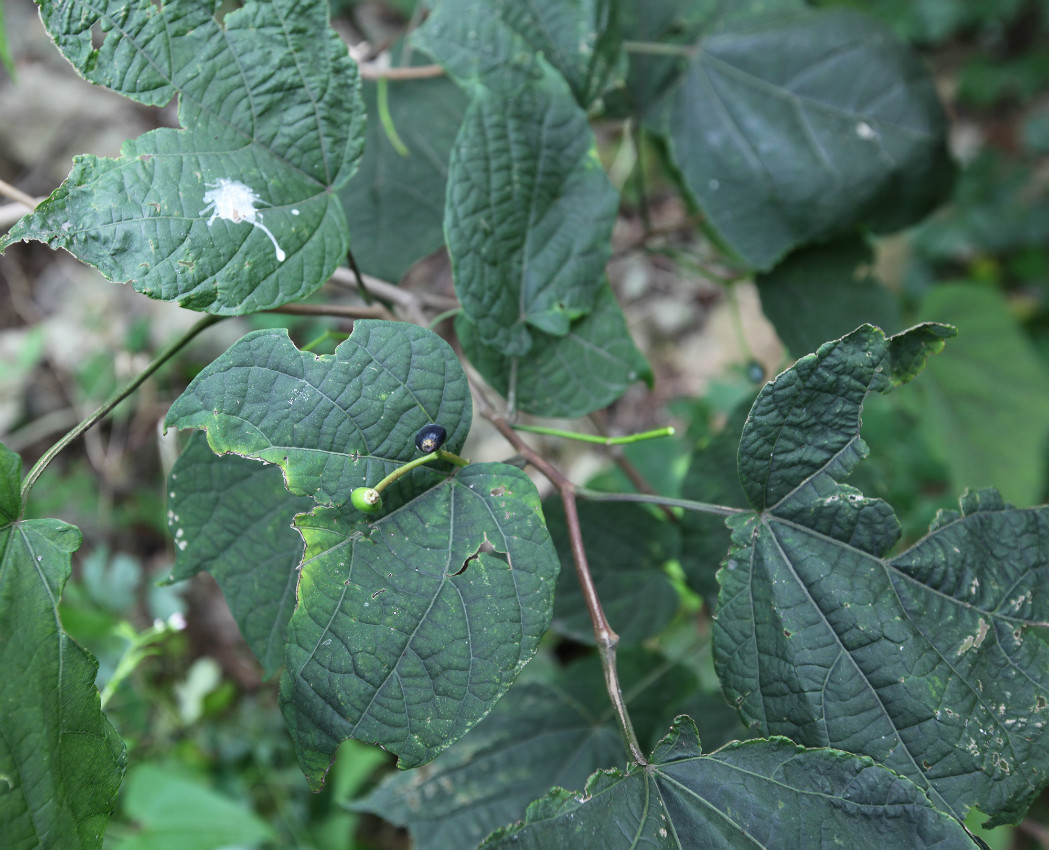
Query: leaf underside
[{"x": 232, "y": 518}]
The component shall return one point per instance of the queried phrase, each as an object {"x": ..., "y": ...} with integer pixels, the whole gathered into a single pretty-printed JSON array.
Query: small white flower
[{"x": 233, "y": 201}]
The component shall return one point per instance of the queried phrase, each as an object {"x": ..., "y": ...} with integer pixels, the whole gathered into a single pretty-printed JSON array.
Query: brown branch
[
  {"x": 339, "y": 311},
  {"x": 16, "y": 194},
  {"x": 607, "y": 639},
  {"x": 375, "y": 71}
]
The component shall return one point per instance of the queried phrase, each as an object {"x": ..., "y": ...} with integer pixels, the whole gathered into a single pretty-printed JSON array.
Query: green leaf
[
  {"x": 5, "y": 49},
  {"x": 711, "y": 478},
  {"x": 824, "y": 292},
  {"x": 61, "y": 761},
  {"x": 529, "y": 210},
  {"x": 925, "y": 661},
  {"x": 233, "y": 518},
  {"x": 628, "y": 547},
  {"x": 985, "y": 409},
  {"x": 771, "y": 794},
  {"x": 273, "y": 127},
  {"x": 395, "y": 204},
  {"x": 335, "y": 422},
  {"x": 792, "y": 127},
  {"x": 171, "y": 812},
  {"x": 505, "y": 45},
  {"x": 567, "y": 376},
  {"x": 539, "y": 735},
  {"x": 408, "y": 631}
]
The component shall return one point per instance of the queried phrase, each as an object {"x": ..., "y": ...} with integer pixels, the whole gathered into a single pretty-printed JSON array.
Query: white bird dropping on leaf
[{"x": 233, "y": 201}]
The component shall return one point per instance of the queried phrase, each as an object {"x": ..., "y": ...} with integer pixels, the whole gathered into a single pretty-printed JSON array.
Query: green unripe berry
[{"x": 366, "y": 500}]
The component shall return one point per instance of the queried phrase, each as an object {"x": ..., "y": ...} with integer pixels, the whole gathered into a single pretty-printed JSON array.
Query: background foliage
[{"x": 198, "y": 713}]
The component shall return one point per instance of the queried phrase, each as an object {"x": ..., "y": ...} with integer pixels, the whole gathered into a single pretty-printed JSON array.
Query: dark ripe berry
[{"x": 430, "y": 438}]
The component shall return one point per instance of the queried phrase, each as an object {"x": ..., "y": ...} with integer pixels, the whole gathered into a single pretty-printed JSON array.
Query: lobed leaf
[
  {"x": 790, "y": 125},
  {"x": 767, "y": 793},
  {"x": 237, "y": 211},
  {"x": 232, "y": 517},
  {"x": 61, "y": 761},
  {"x": 926, "y": 661},
  {"x": 409, "y": 630},
  {"x": 335, "y": 422}
]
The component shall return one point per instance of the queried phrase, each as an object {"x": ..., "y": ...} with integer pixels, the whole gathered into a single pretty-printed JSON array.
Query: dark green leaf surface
[
  {"x": 505, "y": 44},
  {"x": 539, "y": 735},
  {"x": 395, "y": 204},
  {"x": 232, "y": 517},
  {"x": 529, "y": 210},
  {"x": 335, "y": 422},
  {"x": 61, "y": 761},
  {"x": 925, "y": 661},
  {"x": 270, "y": 103},
  {"x": 627, "y": 546},
  {"x": 789, "y": 127},
  {"x": 771, "y": 794},
  {"x": 567, "y": 376},
  {"x": 711, "y": 478},
  {"x": 985, "y": 409},
  {"x": 824, "y": 292},
  {"x": 408, "y": 631}
]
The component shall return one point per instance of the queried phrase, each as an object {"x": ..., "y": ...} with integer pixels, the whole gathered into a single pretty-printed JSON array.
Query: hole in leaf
[
  {"x": 97, "y": 36},
  {"x": 485, "y": 548},
  {"x": 498, "y": 491}
]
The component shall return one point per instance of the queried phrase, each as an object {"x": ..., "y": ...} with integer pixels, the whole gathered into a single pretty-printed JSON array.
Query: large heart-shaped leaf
[
  {"x": 237, "y": 212},
  {"x": 789, "y": 126},
  {"x": 926, "y": 661},
  {"x": 61, "y": 761},
  {"x": 771, "y": 794},
  {"x": 409, "y": 630},
  {"x": 232, "y": 517},
  {"x": 334, "y": 422}
]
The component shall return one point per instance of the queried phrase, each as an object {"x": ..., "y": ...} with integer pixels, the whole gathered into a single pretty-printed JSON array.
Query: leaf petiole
[
  {"x": 593, "y": 438},
  {"x": 115, "y": 399},
  {"x": 440, "y": 454},
  {"x": 687, "y": 504}
]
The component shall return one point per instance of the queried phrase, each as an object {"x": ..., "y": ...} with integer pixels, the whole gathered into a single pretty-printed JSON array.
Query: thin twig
[
  {"x": 338, "y": 311},
  {"x": 607, "y": 639},
  {"x": 376, "y": 71},
  {"x": 115, "y": 399},
  {"x": 687, "y": 504},
  {"x": 629, "y": 470},
  {"x": 1035, "y": 830},
  {"x": 16, "y": 194}
]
